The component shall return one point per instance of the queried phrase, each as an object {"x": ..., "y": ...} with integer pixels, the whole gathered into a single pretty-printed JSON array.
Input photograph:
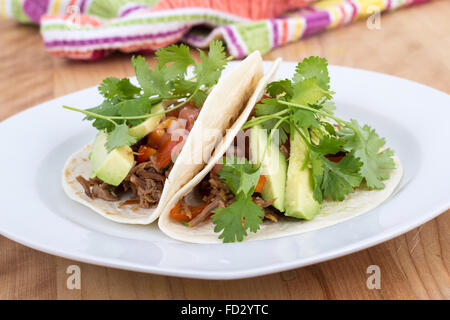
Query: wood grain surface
[{"x": 413, "y": 43}]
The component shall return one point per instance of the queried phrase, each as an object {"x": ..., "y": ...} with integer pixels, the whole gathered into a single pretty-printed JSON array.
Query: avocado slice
[
  {"x": 144, "y": 128},
  {"x": 273, "y": 166},
  {"x": 110, "y": 167},
  {"x": 299, "y": 201},
  {"x": 113, "y": 167}
]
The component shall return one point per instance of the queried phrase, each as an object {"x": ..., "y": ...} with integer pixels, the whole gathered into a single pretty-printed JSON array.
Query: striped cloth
[{"x": 90, "y": 29}]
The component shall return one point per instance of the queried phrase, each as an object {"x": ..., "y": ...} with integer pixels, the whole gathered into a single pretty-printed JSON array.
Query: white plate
[{"x": 36, "y": 212}]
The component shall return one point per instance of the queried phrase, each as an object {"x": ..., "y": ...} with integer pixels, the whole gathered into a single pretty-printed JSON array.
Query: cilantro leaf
[
  {"x": 134, "y": 107},
  {"x": 329, "y": 128},
  {"x": 242, "y": 214},
  {"x": 240, "y": 176},
  {"x": 308, "y": 92},
  {"x": 328, "y": 106},
  {"x": 305, "y": 118},
  {"x": 153, "y": 82},
  {"x": 119, "y": 137},
  {"x": 313, "y": 67},
  {"x": 187, "y": 87},
  {"x": 237, "y": 218},
  {"x": 269, "y": 107},
  {"x": 183, "y": 86},
  {"x": 329, "y": 145},
  {"x": 211, "y": 66},
  {"x": 118, "y": 88},
  {"x": 334, "y": 180},
  {"x": 365, "y": 144},
  {"x": 281, "y": 87},
  {"x": 107, "y": 108},
  {"x": 199, "y": 98},
  {"x": 179, "y": 59}
]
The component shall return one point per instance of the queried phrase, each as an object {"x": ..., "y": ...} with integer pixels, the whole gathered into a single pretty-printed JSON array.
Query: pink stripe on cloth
[
  {"x": 132, "y": 9},
  {"x": 108, "y": 40},
  {"x": 82, "y": 5},
  {"x": 276, "y": 37},
  {"x": 234, "y": 41},
  {"x": 316, "y": 21},
  {"x": 35, "y": 9}
]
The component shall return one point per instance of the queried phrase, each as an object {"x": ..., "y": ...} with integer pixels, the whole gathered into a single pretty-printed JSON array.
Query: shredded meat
[
  {"x": 144, "y": 180},
  {"x": 214, "y": 189},
  {"x": 95, "y": 188},
  {"x": 218, "y": 194},
  {"x": 205, "y": 212},
  {"x": 261, "y": 202},
  {"x": 272, "y": 216},
  {"x": 186, "y": 209},
  {"x": 270, "y": 212},
  {"x": 86, "y": 184}
]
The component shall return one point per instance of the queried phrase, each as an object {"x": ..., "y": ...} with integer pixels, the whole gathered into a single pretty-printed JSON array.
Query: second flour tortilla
[{"x": 332, "y": 212}]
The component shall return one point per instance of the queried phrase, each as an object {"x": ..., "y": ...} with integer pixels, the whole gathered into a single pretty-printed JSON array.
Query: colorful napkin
[{"x": 90, "y": 29}]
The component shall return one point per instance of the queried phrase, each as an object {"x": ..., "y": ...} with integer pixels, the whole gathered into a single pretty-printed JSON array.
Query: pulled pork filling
[
  {"x": 217, "y": 194},
  {"x": 95, "y": 188},
  {"x": 144, "y": 180}
]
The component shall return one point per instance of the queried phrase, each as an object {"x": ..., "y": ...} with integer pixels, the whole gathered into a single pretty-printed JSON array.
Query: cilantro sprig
[
  {"x": 126, "y": 105},
  {"x": 243, "y": 214},
  {"x": 305, "y": 105}
]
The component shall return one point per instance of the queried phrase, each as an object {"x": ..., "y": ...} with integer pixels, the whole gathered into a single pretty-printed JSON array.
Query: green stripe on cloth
[
  {"x": 17, "y": 11},
  {"x": 110, "y": 9},
  {"x": 175, "y": 18},
  {"x": 255, "y": 36}
]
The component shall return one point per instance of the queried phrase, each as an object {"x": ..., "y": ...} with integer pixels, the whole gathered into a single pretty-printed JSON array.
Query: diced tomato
[
  {"x": 144, "y": 153},
  {"x": 180, "y": 215},
  {"x": 164, "y": 155},
  {"x": 190, "y": 114},
  {"x": 173, "y": 113},
  {"x": 157, "y": 138},
  {"x": 260, "y": 185},
  {"x": 177, "y": 149}
]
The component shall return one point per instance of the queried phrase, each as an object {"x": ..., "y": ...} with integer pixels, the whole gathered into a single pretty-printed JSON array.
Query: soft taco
[
  {"x": 290, "y": 165},
  {"x": 147, "y": 134}
]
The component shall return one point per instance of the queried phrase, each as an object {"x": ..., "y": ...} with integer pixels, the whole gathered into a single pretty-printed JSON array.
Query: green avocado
[
  {"x": 113, "y": 167},
  {"x": 110, "y": 167},
  {"x": 273, "y": 166},
  {"x": 300, "y": 202},
  {"x": 143, "y": 129}
]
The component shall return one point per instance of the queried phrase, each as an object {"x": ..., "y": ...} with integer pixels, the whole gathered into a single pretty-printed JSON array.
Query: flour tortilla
[
  {"x": 332, "y": 212},
  {"x": 222, "y": 107}
]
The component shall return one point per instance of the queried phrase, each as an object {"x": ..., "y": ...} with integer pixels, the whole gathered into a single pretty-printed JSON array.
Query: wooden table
[{"x": 413, "y": 43}]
